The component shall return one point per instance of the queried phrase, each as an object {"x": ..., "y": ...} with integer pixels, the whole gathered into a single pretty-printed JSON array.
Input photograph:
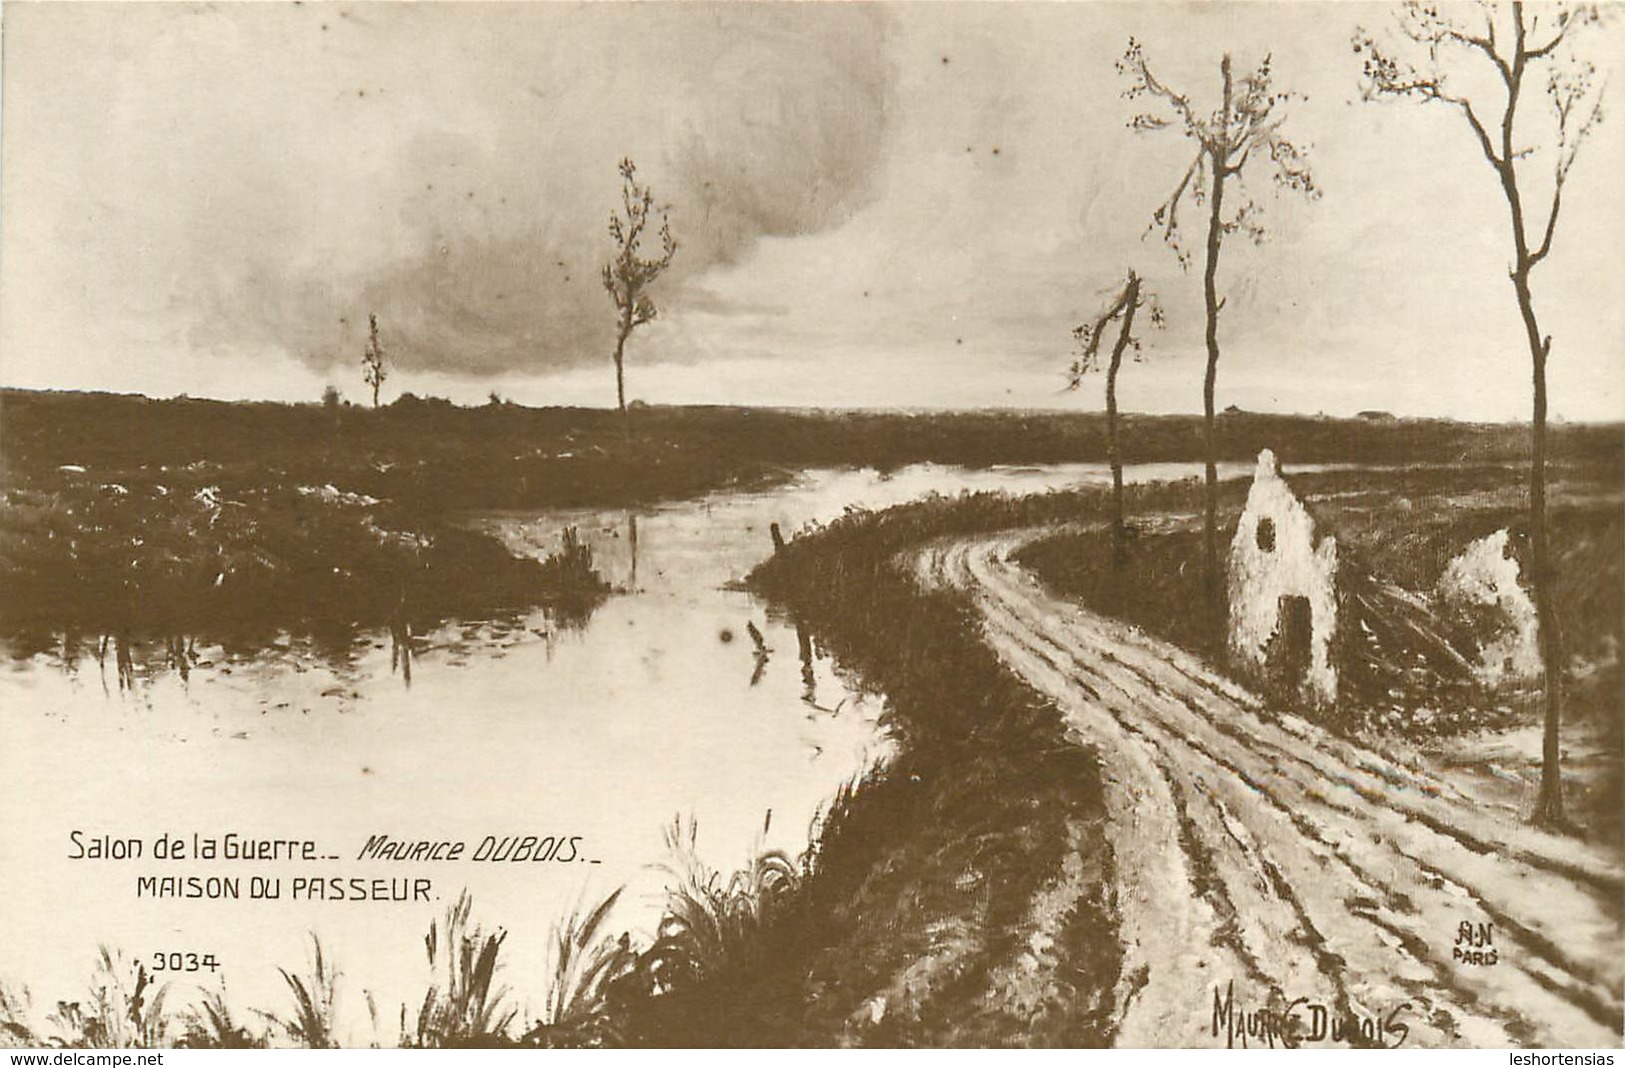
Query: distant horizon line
[{"x": 1370, "y": 415}]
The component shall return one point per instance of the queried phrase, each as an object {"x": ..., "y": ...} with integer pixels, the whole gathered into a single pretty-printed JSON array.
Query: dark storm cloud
[{"x": 748, "y": 122}]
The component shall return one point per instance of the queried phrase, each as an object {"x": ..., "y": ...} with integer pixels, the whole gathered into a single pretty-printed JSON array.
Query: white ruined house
[
  {"x": 1308, "y": 621},
  {"x": 1283, "y": 588},
  {"x": 1483, "y": 581}
]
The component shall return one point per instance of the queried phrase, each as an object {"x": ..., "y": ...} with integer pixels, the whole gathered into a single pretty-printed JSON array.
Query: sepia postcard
[{"x": 1088, "y": 524}]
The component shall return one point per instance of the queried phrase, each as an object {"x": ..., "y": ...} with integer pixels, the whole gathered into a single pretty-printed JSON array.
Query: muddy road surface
[{"x": 1277, "y": 883}]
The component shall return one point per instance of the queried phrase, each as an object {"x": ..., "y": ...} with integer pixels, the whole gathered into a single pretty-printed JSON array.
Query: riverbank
[
  {"x": 956, "y": 897},
  {"x": 180, "y": 555}
]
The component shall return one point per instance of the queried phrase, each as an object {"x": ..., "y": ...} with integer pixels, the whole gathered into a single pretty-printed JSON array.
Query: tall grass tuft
[
  {"x": 586, "y": 962},
  {"x": 467, "y": 1011},
  {"x": 210, "y": 1025},
  {"x": 571, "y": 567},
  {"x": 120, "y": 1013},
  {"x": 710, "y": 926},
  {"x": 574, "y": 584},
  {"x": 311, "y": 1023},
  {"x": 15, "y": 1030}
]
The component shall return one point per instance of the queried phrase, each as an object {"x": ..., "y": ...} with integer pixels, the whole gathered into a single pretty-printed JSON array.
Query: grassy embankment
[{"x": 959, "y": 896}]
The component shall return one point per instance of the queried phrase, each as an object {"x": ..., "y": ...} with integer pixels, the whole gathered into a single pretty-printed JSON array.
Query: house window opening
[{"x": 1266, "y": 534}]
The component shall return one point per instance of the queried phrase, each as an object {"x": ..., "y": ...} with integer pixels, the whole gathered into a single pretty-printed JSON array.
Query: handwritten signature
[{"x": 1300, "y": 1020}]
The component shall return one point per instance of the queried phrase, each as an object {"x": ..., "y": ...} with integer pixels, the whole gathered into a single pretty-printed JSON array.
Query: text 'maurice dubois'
[{"x": 328, "y": 886}]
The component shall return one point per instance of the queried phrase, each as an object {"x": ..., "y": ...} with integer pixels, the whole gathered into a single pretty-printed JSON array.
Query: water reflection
[
  {"x": 762, "y": 653},
  {"x": 809, "y": 680},
  {"x": 128, "y": 664},
  {"x": 632, "y": 541},
  {"x": 400, "y": 650}
]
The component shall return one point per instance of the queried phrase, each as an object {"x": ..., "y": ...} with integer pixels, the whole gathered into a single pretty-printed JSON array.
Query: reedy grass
[
  {"x": 211, "y": 1025},
  {"x": 314, "y": 998},
  {"x": 710, "y": 925},
  {"x": 586, "y": 962},
  {"x": 122, "y": 1011},
  {"x": 468, "y": 1010},
  {"x": 15, "y": 1006}
]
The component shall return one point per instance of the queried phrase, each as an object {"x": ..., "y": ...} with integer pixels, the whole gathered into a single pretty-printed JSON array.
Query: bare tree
[
  {"x": 1120, "y": 308},
  {"x": 373, "y": 371},
  {"x": 1244, "y": 129},
  {"x": 628, "y": 276},
  {"x": 1431, "y": 49}
]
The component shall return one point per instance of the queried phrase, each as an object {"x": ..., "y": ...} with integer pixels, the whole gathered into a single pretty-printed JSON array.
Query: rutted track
[{"x": 1257, "y": 854}]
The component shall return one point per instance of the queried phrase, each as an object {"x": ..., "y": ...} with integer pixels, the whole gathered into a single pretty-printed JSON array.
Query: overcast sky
[{"x": 877, "y": 205}]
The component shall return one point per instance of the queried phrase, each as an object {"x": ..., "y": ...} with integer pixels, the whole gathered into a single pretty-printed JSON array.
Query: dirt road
[{"x": 1273, "y": 879}]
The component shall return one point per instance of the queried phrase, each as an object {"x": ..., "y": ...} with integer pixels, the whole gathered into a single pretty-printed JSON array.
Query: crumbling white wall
[
  {"x": 1295, "y": 566},
  {"x": 1482, "y": 585}
]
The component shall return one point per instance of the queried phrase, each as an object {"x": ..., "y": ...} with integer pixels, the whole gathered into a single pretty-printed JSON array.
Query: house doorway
[{"x": 1290, "y": 650}]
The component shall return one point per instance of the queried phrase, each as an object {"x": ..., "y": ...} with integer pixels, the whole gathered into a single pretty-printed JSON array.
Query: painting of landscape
[{"x": 811, "y": 525}]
